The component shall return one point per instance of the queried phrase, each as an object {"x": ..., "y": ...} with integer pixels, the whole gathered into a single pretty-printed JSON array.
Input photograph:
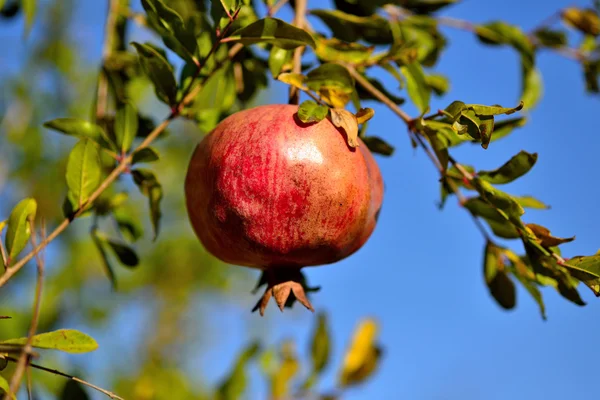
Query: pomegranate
[{"x": 267, "y": 191}]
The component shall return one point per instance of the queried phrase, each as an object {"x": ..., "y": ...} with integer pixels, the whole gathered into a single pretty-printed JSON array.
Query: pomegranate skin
[{"x": 265, "y": 190}]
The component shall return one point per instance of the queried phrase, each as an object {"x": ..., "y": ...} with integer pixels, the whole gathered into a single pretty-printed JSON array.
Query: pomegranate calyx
[{"x": 285, "y": 285}]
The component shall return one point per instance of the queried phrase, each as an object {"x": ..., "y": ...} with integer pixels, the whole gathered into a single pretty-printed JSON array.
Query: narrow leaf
[
  {"x": 364, "y": 114},
  {"x": 277, "y": 59},
  {"x": 587, "y": 270},
  {"x": 151, "y": 188},
  {"x": 273, "y": 31},
  {"x": 531, "y": 202},
  {"x": 29, "y": 9},
  {"x": 18, "y": 228},
  {"x": 84, "y": 172},
  {"x": 290, "y": 78},
  {"x": 418, "y": 89},
  {"x": 79, "y": 128},
  {"x": 99, "y": 242},
  {"x": 320, "y": 346},
  {"x": 126, "y": 126},
  {"x": 378, "y": 145},
  {"x": 66, "y": 340},
  {"x": 514, "y": 168},
  {"x": 124, "y": 253},
  {"x": 159, "y": 71},
  {"x": 145, "y": 155},
  {"x": 363, "y": 355},
  {"x": 545, "y": 238},
  {"x": 500, "y": 285},
  {"x": 494, "y": 110}
]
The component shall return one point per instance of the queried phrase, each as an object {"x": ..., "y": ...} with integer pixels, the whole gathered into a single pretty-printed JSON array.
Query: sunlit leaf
[
  {"x": 532, "y": 86},
  {"x": 514, "y": 168},
  {"x": 84, "y": 172},
  {"x": 418, "y": 89},
  {"x": 4, "y": 387},
  {"x": 587, "y": 270},
  {"x": 585, "y": 20},
  {"x": 234, "y": 386},
  {"x": 80, "y": 128},
  {"x": 18, "y": 228},
  {"x": 277, "y": 59},
  {"x": 498, "y": 282},
  {"x": 481, "y": 110},
  {"x": 159, "y": 71},
  {"x": 30, "y": 10},
  {"x": 438, "y": 83},
  {"x": 287, "y": 370},
  {"x": 545, "y": 238},
  {"x": 126, "y": 126},
  {"x": 273, "y": 31},
  {"x": 310, "y": 111},
  {"x": 333, "y": 82},
  {"x": 531, "y": 202},
  {"x": 66, "y": 340},
  {"x": 335, "y": 50},
  {"x": 294, "y": 79},
  {"x": 363, "y": 355}
]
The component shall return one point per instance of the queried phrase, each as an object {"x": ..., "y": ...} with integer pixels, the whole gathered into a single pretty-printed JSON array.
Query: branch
[
  {"x": 299, "y": 21},
  {"x": 107, "y": 49},
  {"x": 3, "y": 254},
  {"x": 123, "y": 165},
  {"x": 273, "y": 9},
  {"x": 74, "y": 378},
  {"x": 27, "y": 348}
]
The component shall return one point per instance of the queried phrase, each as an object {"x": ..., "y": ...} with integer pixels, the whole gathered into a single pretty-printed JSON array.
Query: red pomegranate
[{"x": 264, "y": 190}]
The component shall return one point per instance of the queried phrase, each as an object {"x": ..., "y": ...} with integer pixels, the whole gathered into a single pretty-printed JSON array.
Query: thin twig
[
  {"x": 3, "y": 254},
  {"x": 299, "y": 21},
  {"x": 107, "y": 48},
  {"x": 27, "y": 348},
  {"x": 74, "y": 378},
  {"x": 273, "y": 10}
]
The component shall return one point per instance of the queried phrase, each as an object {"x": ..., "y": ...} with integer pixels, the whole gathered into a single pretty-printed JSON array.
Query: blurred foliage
[{"x": 67, "y": 126}]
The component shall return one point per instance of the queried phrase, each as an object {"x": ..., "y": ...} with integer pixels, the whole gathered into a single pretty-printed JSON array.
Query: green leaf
[
  {"x": 498, "y": 223},
  {"x": 500, "y": 285},
  {"x": 438, "y": 83},
  {"x": 124, "y": 253},
  {"x": 277, "y": 59},
  {"x": 586, "y": 20},
  {"x": 587, "y": 270},
  {"x": 126, "y": 126},
  {"x": 129, "y": 226},
  {"x": 426, "y": 6},
  {"x": 159, "y": 71},
  {"x": 84, "y": 172},
  {"x": 481, "y": 110},
  {"x": 29, "y": 9},
  {"x": 551, "y": 38},
  {"x": 73, "y": 390},
  {"x": 378, "y": 145},
  {"x": 320, "y": 346},
  {"x": 418, "y": 89},
  {"x": 310, "y": 111},
  {"x": 333, "y": 82},
  {"x": 527, "y": 278},
  {"x": 81, "y": 129},
  {"x": 145, "y": 155},
  {"x": 499, "y": 199},
  {"x": 350, "y": 28},
  {"x": 18, "y": 228},
  {"x": 66, "y": 340},
  {"x": 335, "y": 50},
  {"x": 514, "y": 168},
  {"x": 100, "y": 242},
  {"x": 273, "y": 31},
  {"x": 234, "y": 386},
  {"x": 499, "y": 33},
  {"x": 531, "y": 202},
  {"x": 4, "y": 387},
  {"x": 532, "y": 86},
  {"x": 151, "y": 188},
  {"x": 169, "y": 24}
]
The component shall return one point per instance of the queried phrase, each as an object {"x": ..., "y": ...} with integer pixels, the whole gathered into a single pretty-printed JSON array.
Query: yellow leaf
[
  {"x": 336, "y": 97},
  {"x": 289, "y": 367},
  {"x": 364, "y": 114},
  {"x": 296, "y": 80},
  {"x": 363, "y": 355},
  {"x": 347, "y": 121}
]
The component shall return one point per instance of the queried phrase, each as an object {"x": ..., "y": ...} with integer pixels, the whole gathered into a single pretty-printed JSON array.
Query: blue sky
[{"x": 420, "y": 273}]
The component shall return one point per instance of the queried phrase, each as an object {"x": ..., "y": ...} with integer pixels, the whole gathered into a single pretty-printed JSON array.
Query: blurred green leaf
[
  {"x": 591, "y": 71},
  {"x": 159, "y": 71},
  {"x": 29, "y": 9},
  {"x": 145, "y": 155},
  {"x": 4, "y": 387},
  {"x": 80, "y": 128},
  {"x": 351, "y": 28},
  {"x": 532, "y": 86},
  {"x": 497, "y": 222},
  {"x": 378, "y": 145},
  {"x": 287, "y": 370},
  {"x": 310, "y": 111},
  {"x": 99, "y": 242},
  {"x": 84, "y": 172},
  {"x": 587, "y": 270},
  {"x": 151, "y": 188},
  {"x": 499, "y": 199},
  {"x": 335, "y": 50},
  {"x": 273, "y": 31},
  {"x": 438, "y": 83},
  {"x": 277, "y": 59},
  {"x": 551, "y": 38},
  {"x": 18, "y": 229},
  {"x": 66, "y": 340},
  {"x": 531, "y": 202},
  {"x": 481, "y": 110},
  {"x": 514, "y": 168},
  {"x": 124, "y": 253},
  {"x": 3, "y": 363},
  {"x": 527, "y": 278},
  {"x": 320, "y": 347},
  {"x": 73, "y": 390},
  {"x": 426, "y": 6},
  {"x": 418, "y": 89},
  {"x": 234, "y": 386},
  {"x": 498, "y": 282},
  {"x": 126, "y": 126}
]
